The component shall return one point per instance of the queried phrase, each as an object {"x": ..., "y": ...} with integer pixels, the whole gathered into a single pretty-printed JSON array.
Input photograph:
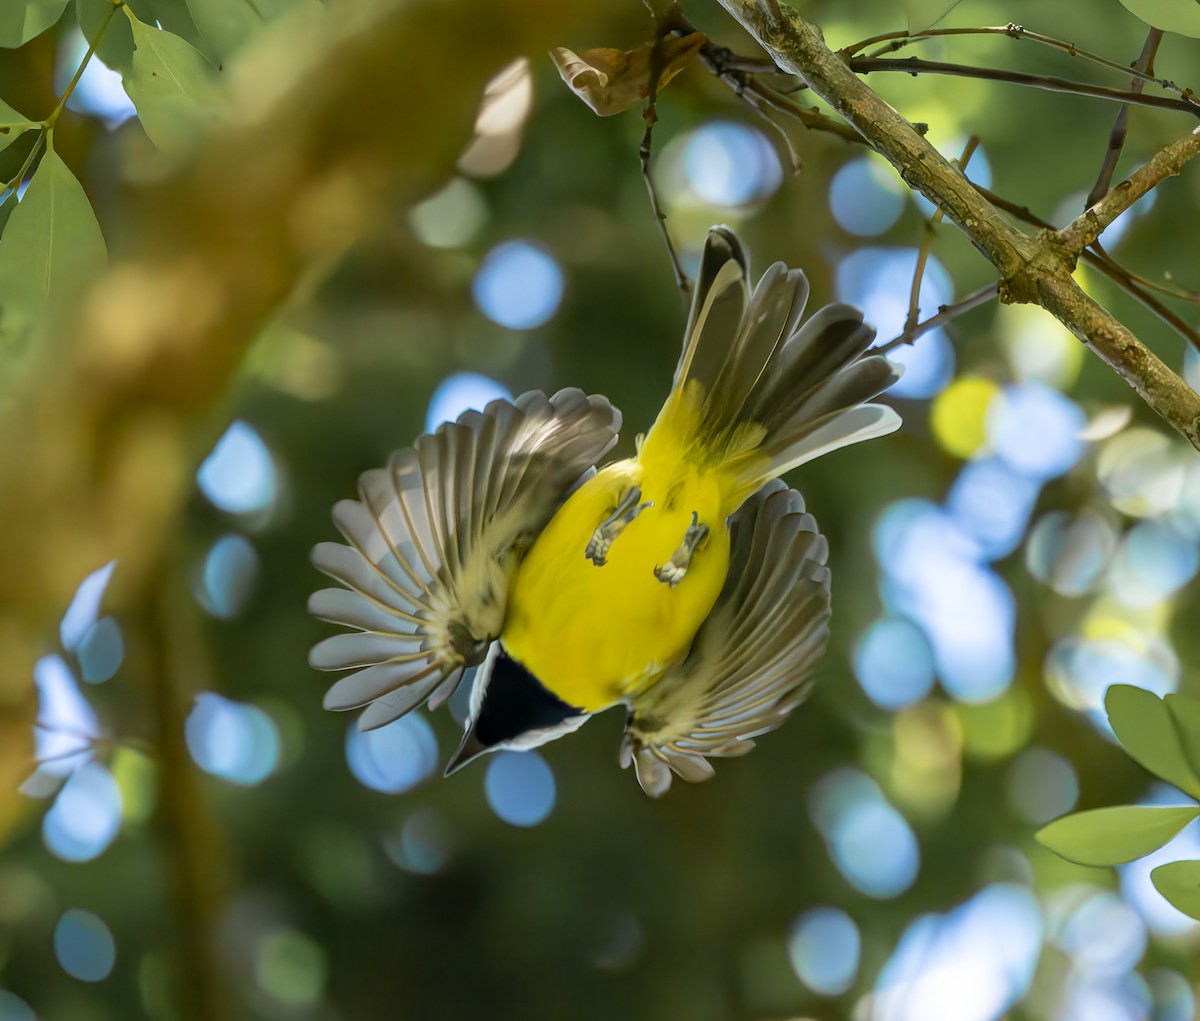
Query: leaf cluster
[
  {"x": 1163, "y": 735},
  {"x": 52, "y": 245}
]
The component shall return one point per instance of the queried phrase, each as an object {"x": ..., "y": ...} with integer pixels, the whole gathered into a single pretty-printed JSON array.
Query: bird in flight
[{"x": 687, "y": 583}]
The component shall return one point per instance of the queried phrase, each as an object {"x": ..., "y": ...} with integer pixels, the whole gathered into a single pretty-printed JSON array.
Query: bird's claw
[
  {"x": 672, "y": 572},
  {"x": 607, "y": 531}
]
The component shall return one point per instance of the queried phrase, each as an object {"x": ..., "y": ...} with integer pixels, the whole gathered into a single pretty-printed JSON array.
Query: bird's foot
[
  {"x": 607, "y": 531},
  {"x": 672, "y": 572}
]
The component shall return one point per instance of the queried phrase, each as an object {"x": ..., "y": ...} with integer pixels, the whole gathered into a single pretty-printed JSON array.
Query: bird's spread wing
[
  {"x": 752, "y": 656},
  {"x": 434, "y": 540}
]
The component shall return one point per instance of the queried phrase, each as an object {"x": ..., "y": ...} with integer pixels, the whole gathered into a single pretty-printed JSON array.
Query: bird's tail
[{"x": 755, "y": 393}]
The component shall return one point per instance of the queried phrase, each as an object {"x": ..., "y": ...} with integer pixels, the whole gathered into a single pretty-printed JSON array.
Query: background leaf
[
  {"x": 1110, "y": 836},
  {"x": 1179, "y": 882},
  {"x": 21, "y": 20},
  {"x": 1180, "y": 16},
  {"x": 227, "y": 24},
  {"x": 1145, "y": 726},
  {"x": 923, "y": 13},
  {"x": 51, "y": 245},
  {"x": 170, "y": 83}
]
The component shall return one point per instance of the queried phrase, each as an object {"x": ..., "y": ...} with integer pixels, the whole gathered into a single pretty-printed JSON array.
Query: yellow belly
[{"x": 594, "y": 635}]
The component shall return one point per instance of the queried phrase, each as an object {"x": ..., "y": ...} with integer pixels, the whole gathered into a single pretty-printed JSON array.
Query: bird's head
[{"x": 510, "y": 708}]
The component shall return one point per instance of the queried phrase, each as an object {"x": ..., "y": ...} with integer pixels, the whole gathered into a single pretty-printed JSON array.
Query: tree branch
[
  {"x": 1030, "y": 269},
  {"x": 1049, "y": 83},
  {"x": 1167, "y": 162}
]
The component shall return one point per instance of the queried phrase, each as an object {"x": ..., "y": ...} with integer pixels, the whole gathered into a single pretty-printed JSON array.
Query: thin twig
[
  {"x": 899, "y": 40},
  {"x": 914, "y": 296},
  {"x": 810, "y": 117},
  {"x": 650, "y": 116},
  {"x": 945, "y": 314},
  {"x": 20, "y": 176},
  {"x": 1116, "y": 139},
  {"x": 1049, "y": 83},
  {"x": 87, "y": 59},
  {"x": 759, "y": 98},
  {"x": 733, "y": 69},
  {"x": 1176, "y": 291},
  {"x": 1135, "y": 287},
  {"x": 1167, "y": 162}
]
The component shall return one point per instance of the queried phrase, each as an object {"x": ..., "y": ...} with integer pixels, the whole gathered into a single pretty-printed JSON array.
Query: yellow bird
[{"x": 686, "y": 583}]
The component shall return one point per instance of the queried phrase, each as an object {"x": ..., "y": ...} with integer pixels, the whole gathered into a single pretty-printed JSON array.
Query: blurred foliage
[{"x": 298, "y": 896}]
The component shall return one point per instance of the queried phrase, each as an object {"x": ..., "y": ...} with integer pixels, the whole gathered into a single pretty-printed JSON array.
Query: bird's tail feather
[{"x": 759, "y": 394}]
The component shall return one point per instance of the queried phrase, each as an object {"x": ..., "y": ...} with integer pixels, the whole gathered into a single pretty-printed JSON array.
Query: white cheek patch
[{"x": 537, "y": 738}]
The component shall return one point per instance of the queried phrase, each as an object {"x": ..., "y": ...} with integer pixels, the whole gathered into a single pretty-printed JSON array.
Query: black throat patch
[{"x": 516, "y": 702}]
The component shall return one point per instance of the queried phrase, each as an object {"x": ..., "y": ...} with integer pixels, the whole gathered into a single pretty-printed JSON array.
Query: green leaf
[
  {"x": 50, "y": 247},
  {"x": 21, "y": 20},
  {"x": 1179, "y": 882},
  {"x": 1185, "y": 715},
  {"x": 173, "y": 16},
  {"x": 170, "y": 83},
  {"x": 1109, "y": 836},
  {"x": 1146, "y": 727},
  {"x": 12, "y": 125},
  {"x": 227, "y": 25},
  {"x": 1179, "y": 16},
  {"x": 922, "y": 14}
]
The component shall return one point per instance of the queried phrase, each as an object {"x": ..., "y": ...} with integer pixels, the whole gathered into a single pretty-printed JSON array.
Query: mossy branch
[{"x": 1033, "y": 268}]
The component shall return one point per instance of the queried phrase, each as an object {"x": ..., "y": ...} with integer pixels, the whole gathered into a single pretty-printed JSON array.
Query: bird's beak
[{"x": 470, "y": 749}]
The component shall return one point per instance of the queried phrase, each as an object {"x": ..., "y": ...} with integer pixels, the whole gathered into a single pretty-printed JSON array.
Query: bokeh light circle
[
  {"x": 866, "y": 197},
  {"x": 85, "y": 817},
  {"x": 229, "y": 575},
  {"x": 871, "y": 843},
  {"x": 84, "y": 610},
  {"x": 731, "y": 164},
  {"x": 520, "y": 787},
  {"x": 460, "y": 392},
  {"x": 824, "y": 947},
  {"x": 1035, "y": 429},
  {"x": 101, "y": 651},
  {"x": 393, "y": 758},
  {"x": 13, "y": 1008},
  {"x": 1143, "y": 472},
  {"x": 1154, "y": 560},
  {"x": 1070, "y": 553},
  {"x": 1041, "y": 785},
  {"x": 239, "y": 475},
  {"x": 290, "y": 967},
  {"x": 518, "y": 285},
  {"x": 84, "y": 946},
  {"x": 894, "y": 663},
  {"x": 233, "y": 740}
]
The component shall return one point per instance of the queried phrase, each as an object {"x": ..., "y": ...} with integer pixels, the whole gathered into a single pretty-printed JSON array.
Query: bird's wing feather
[
  {"x": 751, "y": 659},
  {"x": 434, "y": 540}
]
